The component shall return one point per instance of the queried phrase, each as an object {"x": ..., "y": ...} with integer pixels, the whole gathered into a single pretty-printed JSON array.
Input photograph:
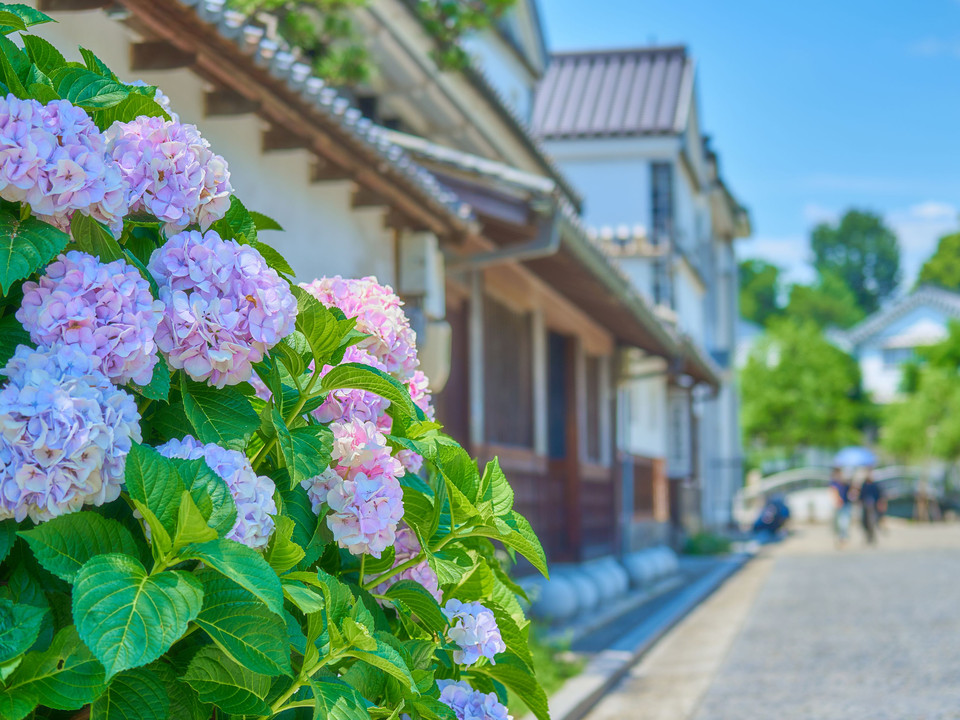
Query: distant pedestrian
[
  {"x": 873, "y": 504},
  {"x": 840, "y": 490}
]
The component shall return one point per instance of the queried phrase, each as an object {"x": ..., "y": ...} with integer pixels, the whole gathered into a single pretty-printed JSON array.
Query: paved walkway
[{"x": 805, "y": 632}]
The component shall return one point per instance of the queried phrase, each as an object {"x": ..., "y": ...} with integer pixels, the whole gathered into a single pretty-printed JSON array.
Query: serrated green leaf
[
  {"x": 26, "y": 246},
  {"x": 210, "y": 492},
  {"x": 133, "y": 695},
  {"x": 338, "y": 597},
  {"x": 8, "y": 535},
  {"x": 264, "y": 222},
  {"x": 19, "y": 628},
  {"x": 95, "y": 64},
  {"x": 65, "y": 676},
  {"x": 184, "y": 702},
  {"x": 11, "y": 20},
  {"x": 153, "y": 480},
  {"x": 306, "y": 451},
  {"x": 243, "y": 626},
  {"x": 160, "y": 542},
  {"x": 63, "y": 544},
  {"x": 244, "y": 566},
  {"x": 219, "y": 416},
  {"x": 514, "y": 674},
  {"x": 297, "y": 506},
  {"x": 421, "y": 602},
  {"x": 12, "y": 335},
  {"x": 318, "y": 324},
  {"x": 127, "y": 617},
  {"x": 282, "y": 552},
  {"x": 386, "y": 658},
  {"x": 44, "y": 55},
  {"x": 26, "y": 15},
  {"x": 495, "y": 489},
  {"x": 515, "y": 532},
  {"x": 515, "y": 636},
  {"x": 237, "y": 224},
  {"x": 94, "y": 239},
  {"x": 274, "y": 259},
  {"x": 130, "y": 108},
  {"x": 306, "y": 600},
  {"x": 88, "y": 89},
  {"x": 231, "y": 687},
  {"x": 354, "y": 376},
  {"x": 337, "y": 701},
  {"x": 191, "y": 524}
]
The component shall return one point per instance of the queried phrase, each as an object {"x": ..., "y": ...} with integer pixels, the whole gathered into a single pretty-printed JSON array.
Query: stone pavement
[{"x": 806, "y": 632}]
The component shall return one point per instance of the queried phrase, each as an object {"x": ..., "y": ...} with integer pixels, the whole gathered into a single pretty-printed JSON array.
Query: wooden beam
[
  {"x": 278, "y": 138},
  {"x": 396, "y": 220},
  {"x": 227, "y": 103},
  {"x": 66, "y": 5},
  {"x": 159, "y": 55},
  {"x": 325, "y": 171},
  {"x": 365, "y": 198}
]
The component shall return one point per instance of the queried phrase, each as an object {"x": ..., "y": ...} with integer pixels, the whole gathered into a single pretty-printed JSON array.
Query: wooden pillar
[
  {"x": 575, "y": 439},
  {"x": 540, "y": 406}
]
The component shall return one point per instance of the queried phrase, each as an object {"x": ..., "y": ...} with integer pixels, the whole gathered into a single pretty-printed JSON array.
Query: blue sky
[{"x": 814, "y": 106}]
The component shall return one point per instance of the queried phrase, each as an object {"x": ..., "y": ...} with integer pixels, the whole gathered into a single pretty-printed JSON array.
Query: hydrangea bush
[{"x": 222, "y": 494}]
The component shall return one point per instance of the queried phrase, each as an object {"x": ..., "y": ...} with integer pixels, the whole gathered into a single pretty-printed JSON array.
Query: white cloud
[
  {"x": 933, "y": 210},
  {"x": 815, "y": 214},
  {"x": 935, "y": 47},
  {"x": 918, "y": 228},
  {"x": 791, "y": 253}
]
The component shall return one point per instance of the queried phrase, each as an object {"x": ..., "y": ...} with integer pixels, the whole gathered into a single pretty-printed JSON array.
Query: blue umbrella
[{"x": 855, "y": 457}]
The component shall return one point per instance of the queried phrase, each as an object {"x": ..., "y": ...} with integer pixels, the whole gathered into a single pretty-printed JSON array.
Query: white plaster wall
[
  {"x": 639, "y": 271},
  {"x": 689, "y": 298},
  {"x": 323, "y": 235},
  {"x": 643, "y": 417},
  {"x": 504, "y": 70}
]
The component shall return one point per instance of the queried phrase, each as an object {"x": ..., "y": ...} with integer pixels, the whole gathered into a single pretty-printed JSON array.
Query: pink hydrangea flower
[
  {"x": 170, "y": 172},
  {"x": 470, "y": 704},
  {"x": 379, "y": 313},
  {"x": 319, "y": 486},
  {"x": 103, "y": 309},
  {"x": 65, "y": 432},
  {"x": 54, "y": 158},
  {"x": 406, "y": 547},
  {"x": 474, "y": 629},
  {"x": 419, "y": 388},
  {"x": 252, "y": 493},
  {"x": 224, "y": 307}
]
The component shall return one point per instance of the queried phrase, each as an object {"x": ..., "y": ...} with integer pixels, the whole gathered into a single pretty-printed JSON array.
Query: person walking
[
  {"x": 840, "y": 489},
  {"x": 873, "y": 504}
]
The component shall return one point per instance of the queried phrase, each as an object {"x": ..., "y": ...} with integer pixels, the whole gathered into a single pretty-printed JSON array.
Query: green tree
[
  {"x": 828, "y": 303},
  {"x": 759, "y": 291},
  {"x": 926, "y": 423},
  {"x": 799, "y": 390},
  {"x": 861, "y": 251},
  {"x": 943, "y": 267}
]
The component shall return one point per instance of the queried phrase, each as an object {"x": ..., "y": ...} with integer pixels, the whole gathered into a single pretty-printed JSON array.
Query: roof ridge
[{"x": 635, "y": 50}]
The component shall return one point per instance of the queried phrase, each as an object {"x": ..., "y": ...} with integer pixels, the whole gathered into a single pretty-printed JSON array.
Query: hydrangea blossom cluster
[
  {"x": 103, "y": 309},
  {"x": 379, "y": 314},
  {"x": 65, "y": 432},
  {"x": 224, "y": 307},
  {"x": 470, "y": 704},
  {"x": 362, "y": 490},
  {"x": 406, "y": 546},
  {"x": 252, "y": 493},
  {"x": 170, "y": 172},
  {"x": 474, "y": 629},
  {"x": 55, "y": 159},
  {"x": 419, "y": 388},
  {"x": 353, "y": 404}
]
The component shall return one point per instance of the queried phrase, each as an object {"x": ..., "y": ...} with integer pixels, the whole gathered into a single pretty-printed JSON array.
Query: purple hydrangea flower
[
  {"x": 54, "y": 158},
  {"x": 104, "y": 310},
  {"x": 406, "y": 546},
  {"x": 65, "y": 432},
  {"x": 170, "y": 172},
  {"x": 319, "y": 486},
  {"x": 252, "y": 493},
  {"x": 224, "y": 307},
  {"x": 470, "y": 704},
  {"x": 474, "y": 628}
]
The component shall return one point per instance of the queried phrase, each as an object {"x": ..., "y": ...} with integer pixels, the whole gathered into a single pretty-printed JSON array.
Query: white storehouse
[
  {"x": 624, "y": 127},
  {"x": 886, "y": 340}
]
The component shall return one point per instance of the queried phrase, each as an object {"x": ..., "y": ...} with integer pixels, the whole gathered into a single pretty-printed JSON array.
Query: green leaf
[
  {"x": 355, "y": 376},
  {"x": 318, "y": 324},
  {"x": 274, "y": 259},
  {"x": 237, "y": 224},
  {"x": 243, "y": 626},
  {"x": 210, "y": 492},
  {"x": 88, "y": 89},
  {"x": 15, "y": 65},
  {"x": 63, "y": 544},
  {"x": 514, "y": 636},
  {"x": 337, "y": 701},
  {"x": 338, "y": 597},
  {"x": 264, "y": 222},
  {"x": 514, "y": 674},
  {"x": 42, "y": 92},
  {"x": 128, "y": 618},
  {"x": 94, "y": 239},
  {"x": 130, "y": 108},
  {"x": 515, "y": 532},
  {"x": 65, "y": 676},
  {"x": 26, "y": 246},
  {"x": 8, "y": 534},
  {"x": 26, "y": 16},
  {"x": 133, "y": 695},
  {"x": 385, "y": 657},
  {"x": 297, "y": 506},
  {"x": 19, "y": 628},
  {"x": 231, "y": 687},
  {"x": 12, "y": 334},
  {"x": 421, "y": 602},
  {"x": 41, "y": 53},
  {"x": 244, "y": 566},
  {"x": 283, "y": 553},
  {"x": 191, "y": 524},
  {"x": 95, "y": 64},
  {"x": 306, "y": 451},
  {"x": 160, "y": 542},
  {"x": 153, "y": 480},
  {"x": 159, "y": 386},
  {"x": 496, "y": 489},
  {"x": 12, "y": 21},
  {"x": 184, "y": 703},
  {"x": 218, "y": 416}
]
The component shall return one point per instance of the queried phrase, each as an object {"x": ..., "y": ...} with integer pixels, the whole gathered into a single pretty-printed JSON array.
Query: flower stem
[{"x": 363, "y": 561}]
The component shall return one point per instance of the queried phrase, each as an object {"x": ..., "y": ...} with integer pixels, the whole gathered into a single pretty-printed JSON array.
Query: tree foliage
[
  {"x": 862, "y": 252},
  {"x": 326, "y": 33},
  {"x": 828, "y": 303},
  {"x": 799, "y": 390},
  {"x": 759, "y": 291},
  {"x": 943, "y": 267}
]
